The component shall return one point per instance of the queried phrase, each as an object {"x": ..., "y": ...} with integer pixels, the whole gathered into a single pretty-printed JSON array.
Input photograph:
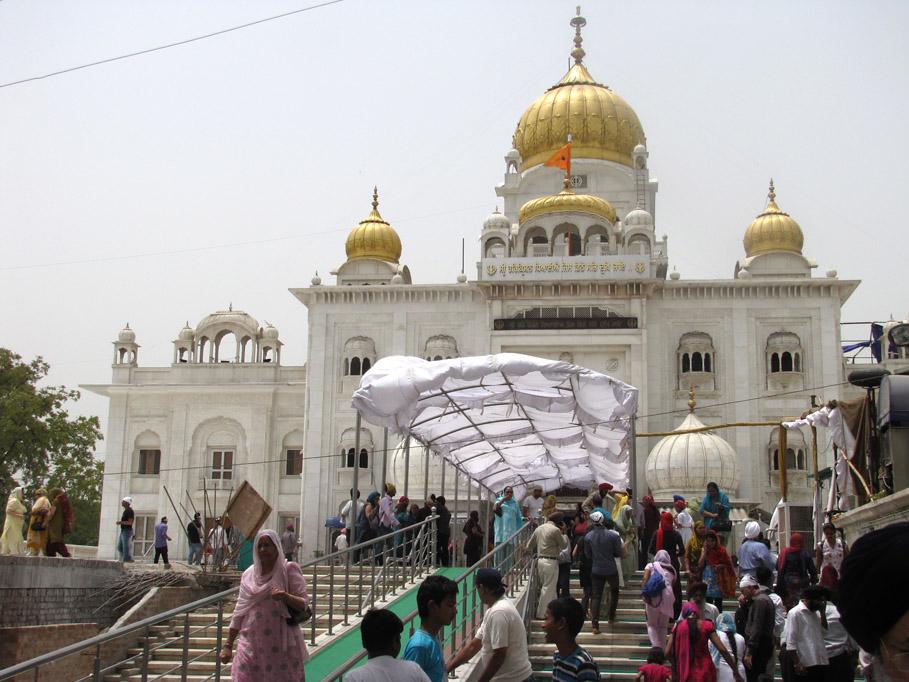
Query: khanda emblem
[{"x": 491, "y": 270}]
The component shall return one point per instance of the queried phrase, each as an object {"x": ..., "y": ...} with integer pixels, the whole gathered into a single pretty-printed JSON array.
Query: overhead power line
[
  {"x": 149, "y": 50},
  {"x": 612, "y": 422}
]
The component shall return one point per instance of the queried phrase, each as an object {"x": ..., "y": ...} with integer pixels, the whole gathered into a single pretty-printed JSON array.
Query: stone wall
[
  {"x": 49, "y": 591},
  {"x": 883, "y": 512},
  {"x": 19, "y": 644}
]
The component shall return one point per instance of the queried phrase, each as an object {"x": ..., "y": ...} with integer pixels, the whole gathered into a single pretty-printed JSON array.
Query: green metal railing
[{"x": 517, "y": 566}]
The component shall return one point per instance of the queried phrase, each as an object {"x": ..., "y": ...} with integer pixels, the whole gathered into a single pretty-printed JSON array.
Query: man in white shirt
[
  {"x": 840, "y": 648},
  {"x": 805, "y": 627},
  {"x": 380, "y": 632},
  {"x": 501, "y": 636},
  {"x": 345, "y": 511},
  {"x": 533, "y": 504}
]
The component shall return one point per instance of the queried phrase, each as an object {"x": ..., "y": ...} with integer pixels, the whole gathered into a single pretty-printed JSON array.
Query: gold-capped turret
[
  {"x": 602, "y": 124},
  {"x": 373, "y": 237},
  {"x": 773, "y": 230}
]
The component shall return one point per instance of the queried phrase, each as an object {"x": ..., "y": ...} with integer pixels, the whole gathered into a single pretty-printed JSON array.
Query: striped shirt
[{"x": 578, "y": 665}]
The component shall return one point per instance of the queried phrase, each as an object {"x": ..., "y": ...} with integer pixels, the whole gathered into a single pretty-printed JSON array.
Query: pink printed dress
[{"x": 267, "y": 647}]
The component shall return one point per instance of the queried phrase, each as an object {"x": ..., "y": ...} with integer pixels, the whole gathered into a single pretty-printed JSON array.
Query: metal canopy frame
[{"x": 560, "y": 395}]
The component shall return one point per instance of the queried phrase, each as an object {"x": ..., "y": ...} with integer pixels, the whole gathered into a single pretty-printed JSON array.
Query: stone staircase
[
  {"x": 168, "y": 636},
  {"x": 619, "y": 650}
]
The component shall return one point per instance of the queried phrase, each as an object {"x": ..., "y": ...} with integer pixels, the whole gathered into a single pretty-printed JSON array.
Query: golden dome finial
[
  {"x": 374, "y": 237},
  {"x": 578, "y": 22},
  {"x": 692, "y": 403},
  {"x": 773, "y": 230}
]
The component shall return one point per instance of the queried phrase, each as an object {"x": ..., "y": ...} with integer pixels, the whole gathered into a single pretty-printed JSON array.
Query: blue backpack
[{"x": 653, "y": 588}]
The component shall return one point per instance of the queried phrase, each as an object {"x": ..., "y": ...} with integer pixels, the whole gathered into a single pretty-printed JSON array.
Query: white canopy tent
[{"x": 507, "y": 419}]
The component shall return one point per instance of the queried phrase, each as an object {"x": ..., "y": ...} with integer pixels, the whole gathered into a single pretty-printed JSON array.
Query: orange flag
[{"x": 561, "y": 159}]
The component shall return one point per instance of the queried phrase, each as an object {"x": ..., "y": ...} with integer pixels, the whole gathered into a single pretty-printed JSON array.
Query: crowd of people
[{"x": 39, "y": 530}]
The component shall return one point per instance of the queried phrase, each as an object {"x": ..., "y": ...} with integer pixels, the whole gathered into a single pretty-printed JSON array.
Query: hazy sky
[{"x": 157, "y": 189}]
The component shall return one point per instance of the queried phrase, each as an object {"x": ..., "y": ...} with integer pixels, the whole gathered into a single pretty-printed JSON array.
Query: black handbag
[
  {"x": 38, "y": 525},
  {"x": 722, "y": 525},
  {"x": 298, "y": 616}
]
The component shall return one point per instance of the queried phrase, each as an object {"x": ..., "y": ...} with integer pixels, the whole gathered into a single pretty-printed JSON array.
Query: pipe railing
[
  {"x": 516, "y": 565},
  {"x": 404, "y": 555}
]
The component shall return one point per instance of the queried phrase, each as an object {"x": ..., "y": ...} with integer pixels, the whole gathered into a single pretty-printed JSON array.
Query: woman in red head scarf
[
  {"x": 795, "y": 570},
  {"x": 716, "y": 570},
  {"x": 667, "y": 538}
]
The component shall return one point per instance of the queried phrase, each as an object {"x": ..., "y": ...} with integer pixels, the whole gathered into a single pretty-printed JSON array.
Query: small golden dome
[
  {"x": 773, "y": 230},
  {"x": 567, "y": 201},
  {"x": 373, "y": 237},
  {"x": 602, "y": 124}
]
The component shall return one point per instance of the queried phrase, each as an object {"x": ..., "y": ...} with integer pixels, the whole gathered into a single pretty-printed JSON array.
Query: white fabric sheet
[{"x": 507, "y": 419}]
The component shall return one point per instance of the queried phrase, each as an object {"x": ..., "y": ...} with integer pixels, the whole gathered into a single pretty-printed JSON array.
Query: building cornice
[
  {"x": 478, "y": 292},
  {"x": 360, "y": 294},
  {"x": 110, "y": 390}
]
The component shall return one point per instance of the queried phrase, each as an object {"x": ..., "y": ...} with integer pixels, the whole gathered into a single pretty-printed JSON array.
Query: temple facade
[{"x": 571, "y": 267}]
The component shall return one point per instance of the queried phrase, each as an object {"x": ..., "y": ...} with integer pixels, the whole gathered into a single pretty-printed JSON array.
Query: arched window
[
  {"x": 348, "y": 448},
  {"x": 148, "y": 452},
  {"x": 227, "y": 349},
  {"x": 293, "y": 453},
  {"x": 784, "y": 352},
  {"x": 359, "y": 356},
  {"x": 696, "y": 364},
  {"x": 796, "y": 450},
  {"x": 440, "y": 347}
]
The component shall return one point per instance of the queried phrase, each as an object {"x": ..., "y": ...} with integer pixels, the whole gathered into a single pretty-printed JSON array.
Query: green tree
[{"x": 41, "y": 445}]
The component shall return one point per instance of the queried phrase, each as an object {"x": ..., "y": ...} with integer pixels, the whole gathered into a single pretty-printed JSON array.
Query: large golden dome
[
  {"x": 602, "y": 124},
  {"x": 566, "y": 201},
  {"x": 373, "y": 237},
  {"x": 773, "y": 230}
]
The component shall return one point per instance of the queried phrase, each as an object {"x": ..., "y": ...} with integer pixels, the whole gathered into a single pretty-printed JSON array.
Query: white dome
[
  {"x": 685, "y": 463},
  {"x": 186, "y": 334},
  {"x": 496, "y": 221},
  {"x": 235, "y": 320},
  {"x": 638, "y": 218},
  {"x": 126, "y": 335},
  {"x": 270, "y": 332}
]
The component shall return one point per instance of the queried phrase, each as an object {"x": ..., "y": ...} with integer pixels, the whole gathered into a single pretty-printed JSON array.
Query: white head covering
[
  {"x": 748, "y": 580},
  {"x": 752, "y": 530},
  {"x": 256, "y": 585},
  {"x": 597, "y": 518},
  {"x": 128, "y": 501}
]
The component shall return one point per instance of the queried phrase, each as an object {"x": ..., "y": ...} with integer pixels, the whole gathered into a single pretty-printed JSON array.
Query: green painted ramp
[{"x": 329, "y": 656}]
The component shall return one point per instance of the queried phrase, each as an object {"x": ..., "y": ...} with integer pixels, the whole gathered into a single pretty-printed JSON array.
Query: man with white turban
[{"x": 754, "y": 552}]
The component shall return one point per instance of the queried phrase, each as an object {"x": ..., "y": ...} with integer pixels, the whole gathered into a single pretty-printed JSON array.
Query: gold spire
[
  {"x": 602, "y": 124},
  {"x": 773, "y": 230},
  {"x": 578, "y": 22},
  {"x": 692, "y": 403},
  {"x": 373, "y": 237}
]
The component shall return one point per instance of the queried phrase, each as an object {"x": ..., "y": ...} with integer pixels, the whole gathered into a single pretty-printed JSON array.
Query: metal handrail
[
  {"x": 144, "y": 625},
  {"x": 516, "y": 567}
]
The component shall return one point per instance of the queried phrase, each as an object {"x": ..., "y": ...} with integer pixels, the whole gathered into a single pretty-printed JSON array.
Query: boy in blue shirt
[
  {"x": 570, "y": 663},
  {"x": 437, "y": 605}
]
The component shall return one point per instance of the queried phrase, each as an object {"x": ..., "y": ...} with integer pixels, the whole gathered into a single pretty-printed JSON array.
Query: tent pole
[
  {"x": 406, "y": 463},
  {"x": 354, "y": 511},
  {"x": 425, "y": 472},
  {"x": 782, "y": 460},
  {"x": 384, "y": 457},
  {"x": 633, "y": 477},
  {"x": 455, "y": 544}
]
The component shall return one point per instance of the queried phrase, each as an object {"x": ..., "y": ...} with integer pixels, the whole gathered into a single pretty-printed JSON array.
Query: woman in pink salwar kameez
[
  {"x": 660, "y": 609},
  {"x": 268, "y": 648}
]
